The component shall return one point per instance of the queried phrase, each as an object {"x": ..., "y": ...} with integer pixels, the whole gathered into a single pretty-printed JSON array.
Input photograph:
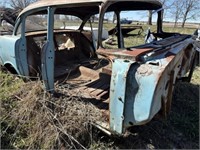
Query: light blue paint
[
  {"x": 7, "y": 51},
  {"x": 21, "y": 51},
  {"x": 132, "y": 94},
  {"x": 139, "y": 95},
  {"x": 48, "y": 54},
  {"x": 117, "y": 94},
  {"x": 144, "y": 97}
]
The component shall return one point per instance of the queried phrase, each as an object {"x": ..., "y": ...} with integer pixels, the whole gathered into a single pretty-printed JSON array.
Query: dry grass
[
  {"x": 33, "y": 119},
  {"x": 40, "y": 121}
]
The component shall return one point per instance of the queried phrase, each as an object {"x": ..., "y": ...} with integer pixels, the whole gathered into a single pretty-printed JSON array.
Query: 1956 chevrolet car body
[{"x": 128, "y": 83}]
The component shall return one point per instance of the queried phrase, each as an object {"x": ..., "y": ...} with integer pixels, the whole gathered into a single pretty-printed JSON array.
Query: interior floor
[{"x": 90, "y": 80}]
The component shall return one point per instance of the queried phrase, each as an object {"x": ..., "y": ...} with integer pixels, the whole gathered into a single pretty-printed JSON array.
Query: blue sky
[
  {"x": 143, "y": 16},
  {"x": 167, "y": 15}
]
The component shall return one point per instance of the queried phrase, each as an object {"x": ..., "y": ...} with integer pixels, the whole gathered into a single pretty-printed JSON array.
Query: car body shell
[{"x": 139, "y": 80}]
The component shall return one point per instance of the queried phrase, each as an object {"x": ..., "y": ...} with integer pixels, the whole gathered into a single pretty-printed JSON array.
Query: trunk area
[{"x": 89, "y": 81}]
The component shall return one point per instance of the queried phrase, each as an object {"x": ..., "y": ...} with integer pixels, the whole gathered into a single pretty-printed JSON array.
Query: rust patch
[
  {"x": 170, "y": 92},
  {"x": 124, "y": 54},
  {"x": 144, "y": 70},
  {"x": 107, "y": 71},
  {"x": 169, "y": 58}
]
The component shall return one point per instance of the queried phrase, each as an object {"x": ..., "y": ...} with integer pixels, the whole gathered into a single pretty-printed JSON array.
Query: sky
[
  {"x": 167, "y": 15},
  {"x": 143, "y": 16}
]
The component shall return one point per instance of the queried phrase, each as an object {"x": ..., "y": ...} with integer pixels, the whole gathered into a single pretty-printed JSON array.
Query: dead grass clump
[{"x": 40, "y": 120}]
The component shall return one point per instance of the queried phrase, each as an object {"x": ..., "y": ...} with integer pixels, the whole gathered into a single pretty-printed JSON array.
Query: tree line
[{"x": 180, "y": 11}]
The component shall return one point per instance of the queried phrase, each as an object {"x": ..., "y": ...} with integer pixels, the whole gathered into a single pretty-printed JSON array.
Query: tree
[
  {"x": 10, "y": 14},
  {"x": 189, "y": 10},
  {"x": 176, "y": 11},
  {"x": 164, "y": 4},
  {"x": 167, "y": 5},
  {"x": 19, "y": 5},
  {"x": 2, "y": 4},
  {"x": 150, "y": 17},
  {"x": 114, "y": 17}
]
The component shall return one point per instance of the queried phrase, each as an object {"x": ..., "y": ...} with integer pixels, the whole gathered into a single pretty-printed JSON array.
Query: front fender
[{"x": 8, "y": 51}]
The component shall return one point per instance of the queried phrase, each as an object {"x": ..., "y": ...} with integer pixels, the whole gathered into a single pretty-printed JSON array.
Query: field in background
[
  {"x": 27, "y": 122},
  {"x": 137, "y": 37}
]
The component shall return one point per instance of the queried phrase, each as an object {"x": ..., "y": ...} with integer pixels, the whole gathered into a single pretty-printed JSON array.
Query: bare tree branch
[
  {"x": 176, "y": 11},
  {"x": 189, "y": 10},
  {"x": 20, "y": 4}
]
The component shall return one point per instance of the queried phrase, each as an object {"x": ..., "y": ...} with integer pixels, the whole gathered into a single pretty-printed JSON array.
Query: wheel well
[{"x": 10, "y": 68}]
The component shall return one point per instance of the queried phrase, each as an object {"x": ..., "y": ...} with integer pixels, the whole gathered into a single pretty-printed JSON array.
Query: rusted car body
[{"x": 129, "y": 85}]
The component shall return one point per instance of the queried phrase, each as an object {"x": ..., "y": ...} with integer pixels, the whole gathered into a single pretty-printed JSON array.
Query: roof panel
[{"x": 47, "y": 3}]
